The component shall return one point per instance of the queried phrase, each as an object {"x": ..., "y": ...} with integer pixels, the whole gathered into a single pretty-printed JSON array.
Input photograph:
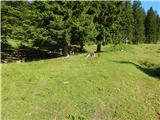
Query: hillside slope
[{"x": 116, "y": 85}]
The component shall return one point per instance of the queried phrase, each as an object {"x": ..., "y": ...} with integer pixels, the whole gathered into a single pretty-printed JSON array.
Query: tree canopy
[{"x": 50, "y": 25}]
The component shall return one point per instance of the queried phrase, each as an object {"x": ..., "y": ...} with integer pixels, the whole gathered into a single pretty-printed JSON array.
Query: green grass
[{"x": 117, "y": 85}]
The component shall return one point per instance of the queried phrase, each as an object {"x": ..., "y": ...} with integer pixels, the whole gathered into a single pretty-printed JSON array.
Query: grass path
[{"x": 109, "y": 87}]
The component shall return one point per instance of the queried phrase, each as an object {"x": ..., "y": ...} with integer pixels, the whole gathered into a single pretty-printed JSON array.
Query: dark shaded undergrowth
[{"x": 33, "y": 54}]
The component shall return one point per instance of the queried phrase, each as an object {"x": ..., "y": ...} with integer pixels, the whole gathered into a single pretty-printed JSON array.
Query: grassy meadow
[{"x": 121, "y": 83}]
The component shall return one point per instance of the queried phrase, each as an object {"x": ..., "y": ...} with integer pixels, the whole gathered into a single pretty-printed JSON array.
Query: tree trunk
[
  {"x": 98, "y": 48},
  {"x": 104, "y": 39},
  {"x": 65, "y": 50},
  {"x": 81, "y": 47}
]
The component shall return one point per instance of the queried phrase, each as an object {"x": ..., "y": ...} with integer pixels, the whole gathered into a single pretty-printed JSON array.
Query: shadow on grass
[
  {"x": 27, "y": 55},
  {"x": 148, "y": 68},
  {"x": 31, "y": 54}
]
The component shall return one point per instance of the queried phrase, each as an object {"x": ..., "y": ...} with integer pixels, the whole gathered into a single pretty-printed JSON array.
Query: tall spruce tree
[
  {"x": 14, "y": 24},
  {"x": 139, "y": 15},
  {"x": 128, "y": 18},
  {"x": 52, "y": 25},
  {"x": 109, "y": 22},
  {"x": 100, "y": 21},
  {"x": 157, "y": 28},
  {"x": 150, "y": 26},
  {"x": 116, "y": 19},
  {"x": 82, "y": 27}
]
